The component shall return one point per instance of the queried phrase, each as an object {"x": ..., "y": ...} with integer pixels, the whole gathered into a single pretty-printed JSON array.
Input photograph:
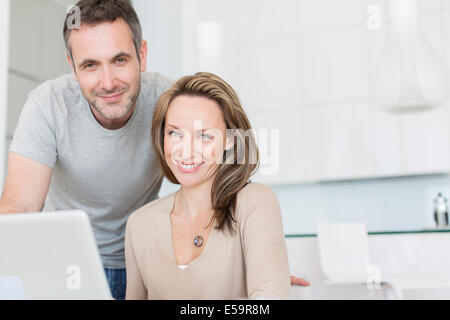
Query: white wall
[
  {"x": 36, "y": 51},
  {"x": 4, "y": 50},
  {"x": 303, "y": 66},
  {"x": 161, "y": 27}
]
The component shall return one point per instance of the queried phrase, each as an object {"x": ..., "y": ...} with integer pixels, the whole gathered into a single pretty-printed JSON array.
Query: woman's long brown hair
[{"x": 238, "y": 164}]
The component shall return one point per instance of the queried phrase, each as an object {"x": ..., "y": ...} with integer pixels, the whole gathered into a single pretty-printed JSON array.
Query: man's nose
[{"x": 108, "y": 78}]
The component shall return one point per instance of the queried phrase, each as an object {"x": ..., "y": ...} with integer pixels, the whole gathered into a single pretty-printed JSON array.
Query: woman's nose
[{"x": 191, "y": 150}]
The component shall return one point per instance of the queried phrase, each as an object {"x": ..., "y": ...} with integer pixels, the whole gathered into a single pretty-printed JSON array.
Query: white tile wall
[
  {"x": 226, "y": 64},
  {"x": 334, "y": 66},
  {"x": 307, "y": 63},
  {"x": 430, "y": 6},
  {"x": 382, "y": 5},
  {"x": 316, "y": 54},
  {"x": 270, "y": 74},
  {"x": 261, "y": 20},
  {"x": 328, "y": 15},
  {"x": 164, "y": 48},
  {"x": 431, "y": 20},
  {"x": 432, "y": 25},
  {"x": 446, "y": 38},
  {"x": 194, "y": 12},
  {"x": 376, "y": 38}
]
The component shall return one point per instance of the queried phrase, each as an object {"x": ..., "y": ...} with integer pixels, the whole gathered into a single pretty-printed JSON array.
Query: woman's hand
[{"x": 299, "y": 282}]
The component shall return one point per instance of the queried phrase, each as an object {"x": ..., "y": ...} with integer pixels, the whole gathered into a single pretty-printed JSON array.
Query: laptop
[{"x": 50, "y": 255}]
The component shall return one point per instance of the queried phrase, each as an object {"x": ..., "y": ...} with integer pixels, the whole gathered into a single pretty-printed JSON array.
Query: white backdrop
[{"x": 4, "y": 49}]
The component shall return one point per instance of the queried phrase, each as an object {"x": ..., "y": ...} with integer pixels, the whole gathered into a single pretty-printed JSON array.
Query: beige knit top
[{"x": 251, "y": 263}]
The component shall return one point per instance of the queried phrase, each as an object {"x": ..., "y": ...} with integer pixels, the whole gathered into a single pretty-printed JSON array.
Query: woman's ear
[{"x": 230, "y": 141}]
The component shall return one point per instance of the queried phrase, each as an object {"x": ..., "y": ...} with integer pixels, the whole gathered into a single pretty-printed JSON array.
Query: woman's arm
[
  {"x": 264, "y": 244},
  {"x": 135, "y": 285}
]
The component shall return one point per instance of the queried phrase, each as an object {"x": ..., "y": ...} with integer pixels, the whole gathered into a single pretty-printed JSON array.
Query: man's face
[{"x": 107, "y": 68}]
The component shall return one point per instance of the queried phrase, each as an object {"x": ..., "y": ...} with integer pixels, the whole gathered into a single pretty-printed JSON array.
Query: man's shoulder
[
  {"x": 154, "y": 83},
  {"x": 152, "y": 211},
  {"x": 53, "y": 97},
  {"x": 63, "y": 86}
]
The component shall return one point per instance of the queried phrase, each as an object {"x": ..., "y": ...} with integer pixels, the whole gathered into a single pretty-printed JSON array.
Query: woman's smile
[{"x": 188, "y": 167}]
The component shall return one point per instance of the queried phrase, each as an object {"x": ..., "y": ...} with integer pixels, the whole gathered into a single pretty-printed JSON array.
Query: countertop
[{"x": 425, "y": 230}]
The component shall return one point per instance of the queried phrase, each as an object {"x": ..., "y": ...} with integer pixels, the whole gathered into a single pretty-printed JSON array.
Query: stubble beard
[{"x": 104, "y": 109}]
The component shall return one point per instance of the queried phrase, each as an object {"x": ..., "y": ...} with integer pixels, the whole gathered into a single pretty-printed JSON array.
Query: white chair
[
  {"x": 300, "y": 293},
  {"x": 345, "y": 260}
]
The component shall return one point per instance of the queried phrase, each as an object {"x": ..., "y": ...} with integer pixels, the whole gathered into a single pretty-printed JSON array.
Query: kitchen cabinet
[
  {"x": 386, "y": 142},
  {"x": 281, "y": 141},
  {"x": 354, "y": 141},
  {"x": 411, "y": 143},
  {"x": 426, "y": 141},
  {"x": 338, "y": 142}
]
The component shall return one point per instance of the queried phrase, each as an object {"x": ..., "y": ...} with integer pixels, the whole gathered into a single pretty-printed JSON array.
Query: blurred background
[{"x": 353, "y": 93}]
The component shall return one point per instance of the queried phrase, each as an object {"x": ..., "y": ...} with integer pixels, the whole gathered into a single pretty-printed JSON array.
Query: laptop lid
[{"x": 50, "y": 255}]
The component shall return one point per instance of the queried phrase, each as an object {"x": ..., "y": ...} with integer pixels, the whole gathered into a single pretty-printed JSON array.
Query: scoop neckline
[{"x": 172, "y": 249}]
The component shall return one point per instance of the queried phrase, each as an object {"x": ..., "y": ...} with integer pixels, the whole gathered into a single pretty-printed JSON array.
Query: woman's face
[{"x": 194, "y": 138}]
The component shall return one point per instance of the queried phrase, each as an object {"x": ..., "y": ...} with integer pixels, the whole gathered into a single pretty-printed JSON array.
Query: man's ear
[
  {"x": 71, "y": 64},
  {"x": 143, "y": 55}
]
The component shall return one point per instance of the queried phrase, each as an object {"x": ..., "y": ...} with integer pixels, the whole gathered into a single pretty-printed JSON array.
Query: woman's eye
[
  {"x": 174, "y": 134},
  {"x": 206, "y": 137}
]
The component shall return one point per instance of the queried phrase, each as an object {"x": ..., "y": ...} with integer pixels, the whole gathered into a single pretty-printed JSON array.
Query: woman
[{"x": 219, "y": 236}]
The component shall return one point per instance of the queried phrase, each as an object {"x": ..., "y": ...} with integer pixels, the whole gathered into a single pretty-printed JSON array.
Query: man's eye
[
  {"x": 89, "y": 66},
  {"x": 121, "y": 60}
]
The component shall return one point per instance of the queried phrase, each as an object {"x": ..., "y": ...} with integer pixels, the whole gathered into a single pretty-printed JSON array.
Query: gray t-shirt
[{"x": 109, "y": 174}]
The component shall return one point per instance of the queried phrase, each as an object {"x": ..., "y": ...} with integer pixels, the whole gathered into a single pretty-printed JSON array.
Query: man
[{"x": 83, "y": 140}]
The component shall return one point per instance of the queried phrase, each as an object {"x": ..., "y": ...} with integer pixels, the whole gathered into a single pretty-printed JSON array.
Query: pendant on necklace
[{"x": 198, "y": 241}]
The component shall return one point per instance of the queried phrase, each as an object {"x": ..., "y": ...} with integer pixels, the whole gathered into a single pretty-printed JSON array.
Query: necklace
[{"x": 198, "y": 239}]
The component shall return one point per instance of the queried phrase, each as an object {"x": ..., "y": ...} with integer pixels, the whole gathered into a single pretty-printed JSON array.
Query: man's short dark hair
[{"x": 94, "y": 12}]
